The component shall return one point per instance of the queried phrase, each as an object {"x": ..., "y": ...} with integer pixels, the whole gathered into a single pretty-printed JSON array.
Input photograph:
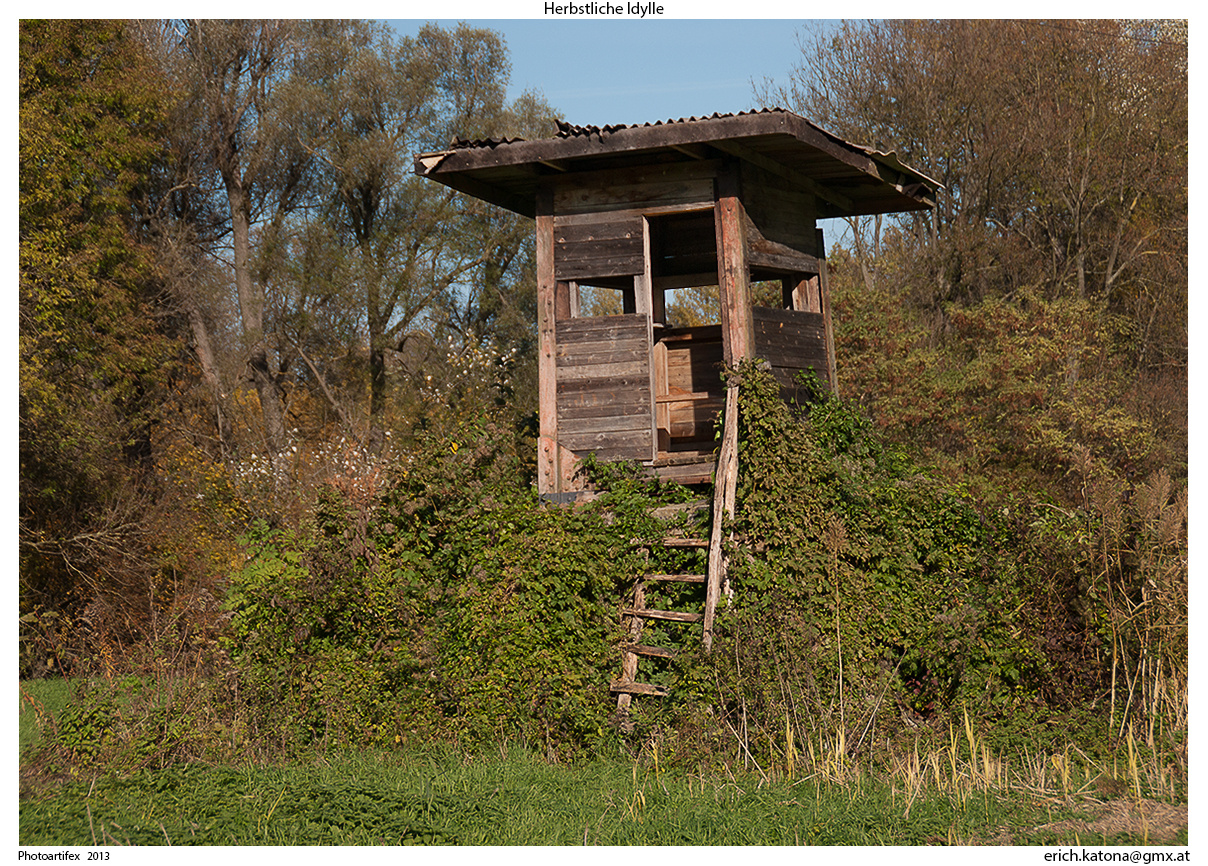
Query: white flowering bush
[
  {"x": 465, "y": 379},
  {"x": 475, "y": 374},
  {"x": 351, "y": 463}
]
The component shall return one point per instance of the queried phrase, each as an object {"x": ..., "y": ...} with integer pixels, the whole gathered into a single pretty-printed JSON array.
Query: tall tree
[
  {"x": 1059, "y": 143},
  {"x": 91, "y": 354},
  {"x": 422, "y": 256},
  {"x": 231, "y": 120},
  {"x": 1043, "y": 302}
]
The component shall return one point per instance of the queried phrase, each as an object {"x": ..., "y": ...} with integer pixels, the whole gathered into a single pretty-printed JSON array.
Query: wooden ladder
[{"x": 713, "y": 580}]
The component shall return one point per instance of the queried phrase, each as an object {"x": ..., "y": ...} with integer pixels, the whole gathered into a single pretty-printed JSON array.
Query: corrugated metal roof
[
  {"x": 460, "y": 143},
  {"x": 570, "y": 130},
  {"x": 567, "y": 131},
  {"x": 849, "y": 179}
]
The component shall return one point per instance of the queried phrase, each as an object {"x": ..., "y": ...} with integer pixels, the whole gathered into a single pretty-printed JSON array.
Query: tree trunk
[
  {"x": 251, "y": 312},
  {"x": 209, "y": 369},
  {"x": 376, "y": 322},
  {"x": 377, "y": 384}
]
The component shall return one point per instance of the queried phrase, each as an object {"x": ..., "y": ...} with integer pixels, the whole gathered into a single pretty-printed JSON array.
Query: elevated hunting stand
[{"x": 717, "y": 203}]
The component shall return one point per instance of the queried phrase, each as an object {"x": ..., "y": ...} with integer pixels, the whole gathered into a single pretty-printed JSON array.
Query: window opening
[{"x": 688, "y": 348}]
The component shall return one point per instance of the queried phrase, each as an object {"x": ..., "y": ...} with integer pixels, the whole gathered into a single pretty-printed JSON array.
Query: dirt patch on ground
[
  {"x": 1148, "y": 819},
  {"x": 1161, "y": 822}
]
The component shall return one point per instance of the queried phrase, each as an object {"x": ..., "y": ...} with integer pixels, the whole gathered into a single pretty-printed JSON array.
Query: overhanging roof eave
[{"x": 466, "y": 168}]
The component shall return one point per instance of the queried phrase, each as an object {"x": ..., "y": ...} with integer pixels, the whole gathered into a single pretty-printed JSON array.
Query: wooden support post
[
  {"x": 824, "y": 302},
  {"x": 548, "y": 469},
  {"x": 574, "y": 300},
  {"x": 662, "y": 411},
  {"x": 629, "y": 660},
  {"x": 643, "y": 291},
  {"x": 568, "y": 466},
  {"x": 801, "y": 292},
  {"x": 562, "y": 301},
  {"x": 733, "y": 280}
]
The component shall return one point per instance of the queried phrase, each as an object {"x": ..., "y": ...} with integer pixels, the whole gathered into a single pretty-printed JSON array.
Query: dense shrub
[
  {"x": 864, "y": 589},
  {"x": 870, "y": 597},
  {"x": 446, "y": 602},
  {"x": 874, "y": 599}
]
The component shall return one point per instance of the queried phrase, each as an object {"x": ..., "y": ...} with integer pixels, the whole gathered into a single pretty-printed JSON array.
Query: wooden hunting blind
[
  {"x": 724, "y": 204},
  {"x": 726, "y": 201}
]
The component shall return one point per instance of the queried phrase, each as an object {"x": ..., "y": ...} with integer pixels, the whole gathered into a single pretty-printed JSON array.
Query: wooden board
[
  {"x": 641, "y": 189},
  {"x": 601, "y": 327},
  {"x": 607, "y": 245},
  {"x": 788, "y": 332},
  {"x": 621, "y": 687},
  {"x": 781, "y": 213},
  {"x": 791, "y": 341},
  {"x": 694, "y": 421},
  {"x": 683, "y": 244},
  {"x": 604, "y": 396},
  {"x": 694, "y": 367},
  {"x": 732, "y": 268},
  {"x": 549, "y": 477},
  {"x": 700, "y": 472},
  {"x": 643, "y": 197}
]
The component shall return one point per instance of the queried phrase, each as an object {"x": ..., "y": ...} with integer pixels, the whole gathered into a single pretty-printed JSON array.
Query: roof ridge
[
  {"x": 570, "y": 130},
  {"x": 574, "y": 130}
]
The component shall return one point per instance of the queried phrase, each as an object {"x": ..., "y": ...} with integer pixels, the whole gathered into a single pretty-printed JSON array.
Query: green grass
[
  {"x": 511, "y": 797},
  {"x": 45, "y": 698},
  {"x": 508, "y": 799}
]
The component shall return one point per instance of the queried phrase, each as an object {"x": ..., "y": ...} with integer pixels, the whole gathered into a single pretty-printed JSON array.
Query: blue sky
[
  {"x": 632, "y": 71},
  {"x": 598, "y": 72}
]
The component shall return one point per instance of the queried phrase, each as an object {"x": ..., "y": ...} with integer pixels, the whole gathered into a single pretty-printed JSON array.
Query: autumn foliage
[{"x": 277, "y": 397}]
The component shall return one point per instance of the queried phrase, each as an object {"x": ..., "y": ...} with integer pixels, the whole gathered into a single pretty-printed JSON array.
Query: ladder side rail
[{"x": 723, "y": 508}]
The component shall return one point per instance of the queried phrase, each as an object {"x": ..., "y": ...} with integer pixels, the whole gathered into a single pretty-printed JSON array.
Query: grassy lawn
[
  {"x": 40, "y": 700},
  {"x": 511, "y": 797}
]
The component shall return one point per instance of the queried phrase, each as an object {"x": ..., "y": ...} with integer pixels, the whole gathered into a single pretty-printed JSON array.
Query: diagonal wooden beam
[{"x": 792, "y": 175}]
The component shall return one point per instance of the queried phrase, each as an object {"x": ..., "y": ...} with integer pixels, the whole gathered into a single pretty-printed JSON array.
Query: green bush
[
  {"x": 444, "y": 600},
  {"x": 450, "y": 603},
  {"x": 865, "y": 589}
]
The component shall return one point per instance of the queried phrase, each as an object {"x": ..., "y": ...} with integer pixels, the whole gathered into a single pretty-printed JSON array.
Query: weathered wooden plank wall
[
  {"x": 646, "y": 190},
  {"x": 791, "y": 340},
  {"x": 692, "y": 359},
  {"x": 604, "y": 396},
  {"x": 606, "y": 245},
  {"x": 683, "y": 244},
  {"x": 598, "y": 227},
  {"x": 784, "y": 214}
]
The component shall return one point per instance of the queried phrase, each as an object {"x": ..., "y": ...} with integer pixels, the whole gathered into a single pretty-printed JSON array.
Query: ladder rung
[
  {"x": 672, "y": 615},
  {"x": 639, "y": 689},
  {"x": 679, "y": 578},
  {"x": 667, "y": 511},
  {"x": 656, "y": 652},
  {"x": 673, "y": 541}
]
